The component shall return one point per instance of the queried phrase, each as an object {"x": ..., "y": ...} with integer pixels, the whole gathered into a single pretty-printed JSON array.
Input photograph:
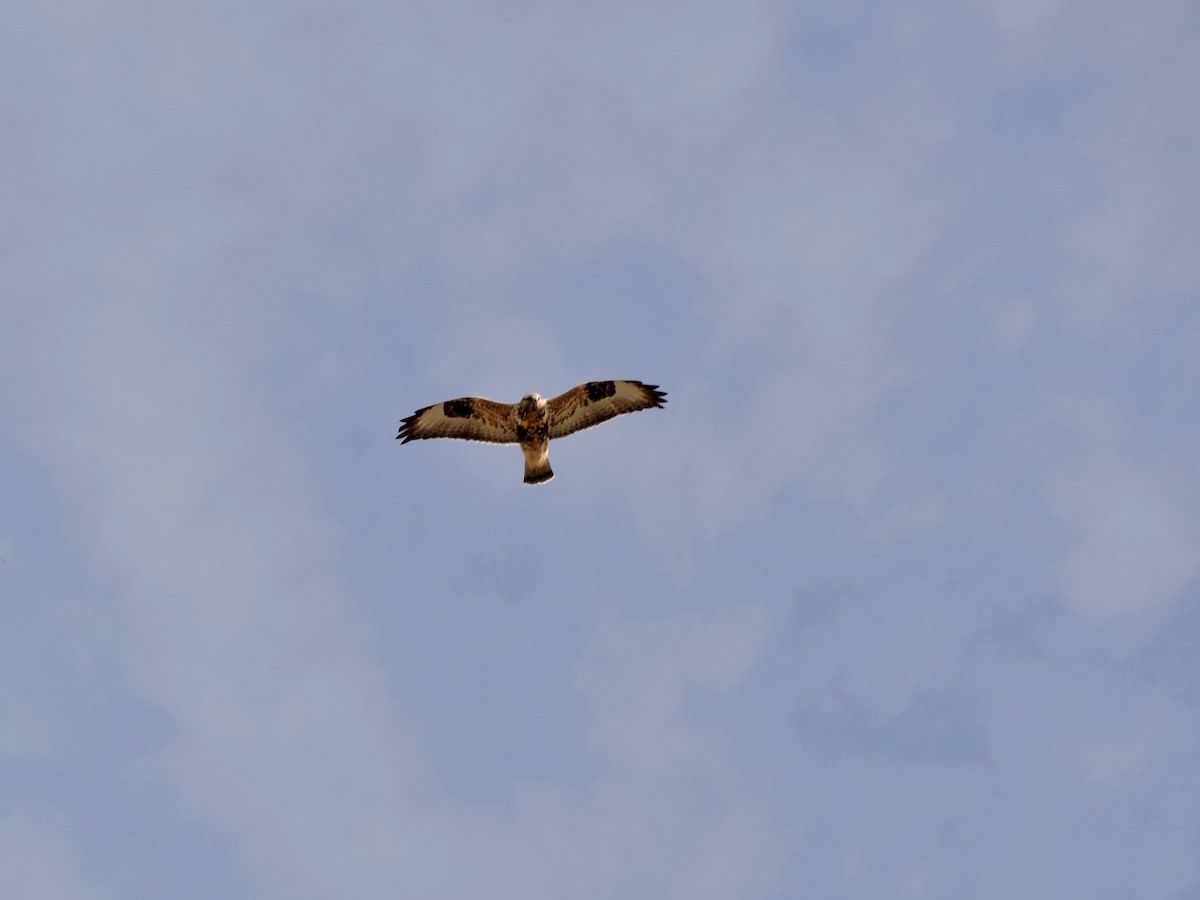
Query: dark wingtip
[
  {"x": 406, "y": 427},
  {"x": 659, "y": 398}
]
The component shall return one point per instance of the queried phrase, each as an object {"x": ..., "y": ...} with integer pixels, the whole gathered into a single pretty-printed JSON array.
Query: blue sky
[{"x": 898, "y": 597}]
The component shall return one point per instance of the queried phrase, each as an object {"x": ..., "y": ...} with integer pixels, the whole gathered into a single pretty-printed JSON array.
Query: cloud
[
  {"x": 637, "y": 676},
  {"x": 38, "y": 860},
  {"x": 1134, "y": 536},
  {"x": 669, "y": 811},
  {"x": 916, "y": 281}
]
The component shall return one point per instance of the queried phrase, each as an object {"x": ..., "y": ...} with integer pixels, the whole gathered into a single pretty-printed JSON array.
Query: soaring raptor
[{"x": 533, "y": 421}]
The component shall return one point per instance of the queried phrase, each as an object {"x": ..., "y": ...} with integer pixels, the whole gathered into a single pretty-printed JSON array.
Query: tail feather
[
  {"x": 539, "y": 473},
  {"x": 537, "y": 461}
]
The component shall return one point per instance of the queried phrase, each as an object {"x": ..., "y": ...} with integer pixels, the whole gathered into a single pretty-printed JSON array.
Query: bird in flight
[{"x": 532, "y": 421}]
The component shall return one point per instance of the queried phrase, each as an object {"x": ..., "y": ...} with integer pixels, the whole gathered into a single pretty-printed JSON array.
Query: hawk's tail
[{"x": 538, "y": 473}]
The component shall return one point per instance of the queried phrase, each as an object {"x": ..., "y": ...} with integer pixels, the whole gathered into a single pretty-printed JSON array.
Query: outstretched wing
[
  {"x": 469, "y": 418},
  {"x": 597, "y": 401}
]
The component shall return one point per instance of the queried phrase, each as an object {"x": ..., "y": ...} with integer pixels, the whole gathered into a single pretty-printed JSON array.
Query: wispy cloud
[{"x": 869, "y": 608}]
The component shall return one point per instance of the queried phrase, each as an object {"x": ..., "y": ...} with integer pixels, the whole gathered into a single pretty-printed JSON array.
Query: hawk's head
[{"x": 529, "y": 404}]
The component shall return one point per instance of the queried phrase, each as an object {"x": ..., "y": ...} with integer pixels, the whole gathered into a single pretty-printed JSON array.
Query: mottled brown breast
[{"x": 532, "y": 422}]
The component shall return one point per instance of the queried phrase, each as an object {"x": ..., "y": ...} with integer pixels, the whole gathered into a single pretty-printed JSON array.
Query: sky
[{"x": 898, "y": 597}]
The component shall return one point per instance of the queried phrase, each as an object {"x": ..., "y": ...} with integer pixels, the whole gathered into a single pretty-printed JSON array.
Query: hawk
[{"x": 532, "y": 421}]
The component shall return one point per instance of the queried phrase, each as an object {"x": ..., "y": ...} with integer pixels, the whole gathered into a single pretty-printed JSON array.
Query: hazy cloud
[{"x": 895, "y": 598}]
